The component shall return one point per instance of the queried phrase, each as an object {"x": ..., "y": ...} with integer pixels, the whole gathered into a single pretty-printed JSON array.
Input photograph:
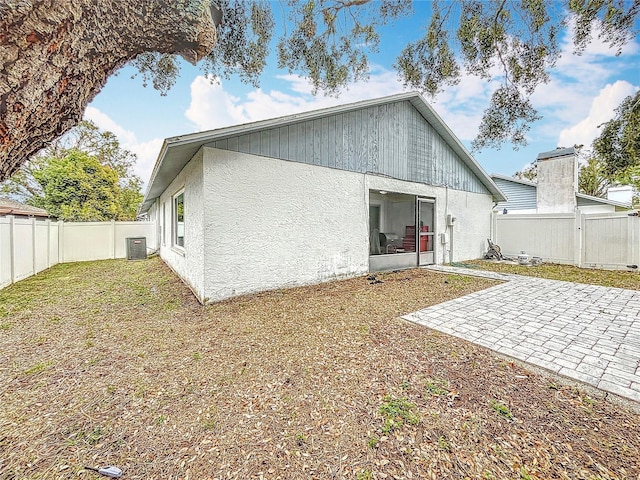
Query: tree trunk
[{"x": 56, "y": 55}]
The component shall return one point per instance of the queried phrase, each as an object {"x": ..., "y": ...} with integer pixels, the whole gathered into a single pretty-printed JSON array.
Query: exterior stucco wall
[
  {"x": 187, "y": 262},
  {"x": 273, "y": 223},
  {"x": 468, "y": 236}
]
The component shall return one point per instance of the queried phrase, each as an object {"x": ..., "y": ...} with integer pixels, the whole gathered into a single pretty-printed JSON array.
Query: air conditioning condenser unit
[{"x": 136, "y": 248}]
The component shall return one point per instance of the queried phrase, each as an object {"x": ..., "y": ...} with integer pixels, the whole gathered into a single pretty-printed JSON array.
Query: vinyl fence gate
[
  {"x": 610, "y": 241},
  {"x": 604, "y": 240}
]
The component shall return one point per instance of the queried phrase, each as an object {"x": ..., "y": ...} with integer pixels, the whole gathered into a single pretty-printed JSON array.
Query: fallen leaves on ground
[
  {"x": 554, "y": 271},
  {"x": 115, "y": 363}
]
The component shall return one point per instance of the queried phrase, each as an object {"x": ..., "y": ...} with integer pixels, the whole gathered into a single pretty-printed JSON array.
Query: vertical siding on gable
[
  {"x": 255, "y": 142},
  {"x": 243, "y": 143},
  {"x": 224, "y": 144},
  {"x": 331, "y": 143},
  {"x": 433, "y": 161},
  {"x": 323, "y": 141},
  {"x": 390, "y": 139},
  {"x": 372, "y": 139},
  {"x": 283, "y": 143}
]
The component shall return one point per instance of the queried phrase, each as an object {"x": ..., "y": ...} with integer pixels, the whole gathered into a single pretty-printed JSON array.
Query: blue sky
[{"x": 582, "y": 94}]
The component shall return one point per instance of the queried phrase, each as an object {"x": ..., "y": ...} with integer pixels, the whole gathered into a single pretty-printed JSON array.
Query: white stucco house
[
  {"x": 374, "y": 185},
  {"x": 555, "y": 191}
]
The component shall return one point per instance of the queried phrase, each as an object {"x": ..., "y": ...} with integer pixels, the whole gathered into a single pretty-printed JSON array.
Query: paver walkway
[{"x": 585, "y": 332}]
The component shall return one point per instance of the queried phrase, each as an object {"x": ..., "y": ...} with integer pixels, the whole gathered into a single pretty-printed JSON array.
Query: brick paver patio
[{"x": 585, "y": 332}]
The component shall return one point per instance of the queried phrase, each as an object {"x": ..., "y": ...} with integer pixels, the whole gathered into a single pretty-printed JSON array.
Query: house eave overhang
[
  {"x": 22, "y": 213},
  {"x": 177, "y": 151},
  {"x": 604, "y": 201},
  {"x": 513, "y": 179}
]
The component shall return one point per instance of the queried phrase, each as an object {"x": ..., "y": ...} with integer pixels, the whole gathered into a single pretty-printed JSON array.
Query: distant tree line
[{"x": 84, "y": 176}]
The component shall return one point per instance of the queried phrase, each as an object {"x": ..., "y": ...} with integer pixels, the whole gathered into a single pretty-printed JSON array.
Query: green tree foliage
[
  {"x": 530, "y": 173},
  {"x": 78, "y": 188},
  {"x": 593, "y": 179},
  {"x": 617, "y": 149},
  {"x": 84, "y": 176},
  {"x": 618, "y": 146},
  {"x": 513, "y": 43}
]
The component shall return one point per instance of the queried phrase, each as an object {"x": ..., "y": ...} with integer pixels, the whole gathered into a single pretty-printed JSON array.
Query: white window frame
[
  {"x": 174, "y": 221},
  {"x": 163, "y": 223}
]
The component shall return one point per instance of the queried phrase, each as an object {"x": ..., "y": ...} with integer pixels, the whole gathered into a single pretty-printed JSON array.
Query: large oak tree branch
[{"x": 56, "y": 55}]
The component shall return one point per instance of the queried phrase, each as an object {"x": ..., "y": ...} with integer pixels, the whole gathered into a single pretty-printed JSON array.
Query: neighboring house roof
[
  {"x": 12, "y": 207},
  {"x": 584, "y": 200},
  {"x": 521, "y": 194},
  {"x": 176, "y": 152}
]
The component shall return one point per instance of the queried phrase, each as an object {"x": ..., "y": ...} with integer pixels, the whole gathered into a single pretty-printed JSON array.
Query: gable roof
[
  {"x": 582, "y": 199},
  {"x": 176, "y": 152},
  {"x": 12, "y": 207}
]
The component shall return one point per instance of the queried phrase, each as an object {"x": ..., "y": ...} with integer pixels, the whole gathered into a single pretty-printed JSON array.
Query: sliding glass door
[{"x": 425, "y": 238}]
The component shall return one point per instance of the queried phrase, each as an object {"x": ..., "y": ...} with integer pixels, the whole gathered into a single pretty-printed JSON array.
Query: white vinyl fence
[
  {"x": 29, "y": 246},
  {"x": 605, "y": 240}
]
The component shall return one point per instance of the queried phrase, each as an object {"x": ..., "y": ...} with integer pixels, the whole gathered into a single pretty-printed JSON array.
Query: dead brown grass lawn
[
  {"x": 568, "y": 273},
  {"x": 115, "y": 363}
]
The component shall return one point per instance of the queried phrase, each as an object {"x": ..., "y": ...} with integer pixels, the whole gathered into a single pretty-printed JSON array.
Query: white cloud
[
  {"x": 602, "y": 110},
  {"x": 596, "y": 64},
  {"x": 212, "y": 107},
  {"x": 147, "y": 152},
  {"x": 105, "y": 122}
]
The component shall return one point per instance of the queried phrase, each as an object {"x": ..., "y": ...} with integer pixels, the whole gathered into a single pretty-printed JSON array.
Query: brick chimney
[{"x": 557, "y": 181}]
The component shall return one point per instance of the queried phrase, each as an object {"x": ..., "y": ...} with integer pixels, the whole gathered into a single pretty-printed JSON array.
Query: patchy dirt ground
[{"x": 115, "y": 363}]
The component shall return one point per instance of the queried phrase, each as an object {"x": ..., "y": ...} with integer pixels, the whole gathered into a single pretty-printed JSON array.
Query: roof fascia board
[
  {"x": 513, "y": 179},
  {"x": 603, "y": 200}
]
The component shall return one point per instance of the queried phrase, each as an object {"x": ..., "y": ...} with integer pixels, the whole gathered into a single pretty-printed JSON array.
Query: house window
[{"x": 178, "y": 220}]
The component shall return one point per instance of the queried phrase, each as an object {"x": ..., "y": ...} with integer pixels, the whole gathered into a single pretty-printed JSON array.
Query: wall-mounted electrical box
[
  {"x": 444, "y": 238},
  {"x": 450, "y": 220}
]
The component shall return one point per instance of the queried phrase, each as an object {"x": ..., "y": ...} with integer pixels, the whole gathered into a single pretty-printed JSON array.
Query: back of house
[{"x": 375, "y": 185}]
